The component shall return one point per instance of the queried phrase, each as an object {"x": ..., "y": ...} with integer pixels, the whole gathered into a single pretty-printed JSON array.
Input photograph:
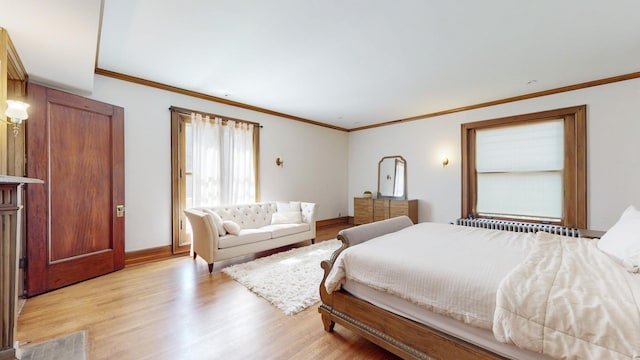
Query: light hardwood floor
[{"x": 173, "y": 309}]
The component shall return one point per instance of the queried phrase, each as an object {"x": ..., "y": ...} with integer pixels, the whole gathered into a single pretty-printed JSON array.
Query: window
[
  {"x": 214, "y": 162},
  {"x": 528, "y": 167}
]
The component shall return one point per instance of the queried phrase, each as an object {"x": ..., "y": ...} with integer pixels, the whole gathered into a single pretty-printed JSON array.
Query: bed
[{"x": 439, "y": 291}]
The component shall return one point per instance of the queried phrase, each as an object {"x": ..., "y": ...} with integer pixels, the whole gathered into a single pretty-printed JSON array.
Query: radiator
[{"x": 518, "y": 226}]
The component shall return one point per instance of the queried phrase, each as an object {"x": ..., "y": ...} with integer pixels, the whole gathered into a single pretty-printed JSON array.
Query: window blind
[{"x": 520, "y": 170}]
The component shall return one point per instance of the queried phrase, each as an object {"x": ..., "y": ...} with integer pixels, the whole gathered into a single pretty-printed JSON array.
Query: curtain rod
[{"x": 224, "y": 118}]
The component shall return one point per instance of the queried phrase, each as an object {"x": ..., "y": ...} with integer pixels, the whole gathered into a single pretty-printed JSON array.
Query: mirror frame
[{"x": 404, "y": 183}]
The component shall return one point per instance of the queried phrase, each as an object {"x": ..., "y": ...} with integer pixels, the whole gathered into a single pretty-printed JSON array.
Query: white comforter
[
  {"x": 451, "y": 270},
  {"x": 569, "y": 300}
]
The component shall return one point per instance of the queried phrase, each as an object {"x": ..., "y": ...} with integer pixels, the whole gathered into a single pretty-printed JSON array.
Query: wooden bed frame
[{"x": 401, "y": 336}]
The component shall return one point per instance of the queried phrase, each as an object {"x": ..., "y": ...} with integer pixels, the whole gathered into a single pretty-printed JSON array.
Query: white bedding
[
  {"x": 472, "y": 334},
  {"x": 455, "y": 271},
  {"x": 570, "y": 300}
]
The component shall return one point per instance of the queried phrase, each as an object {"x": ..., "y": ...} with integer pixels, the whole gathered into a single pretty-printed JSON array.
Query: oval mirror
[{"x": 392, "y": 178}]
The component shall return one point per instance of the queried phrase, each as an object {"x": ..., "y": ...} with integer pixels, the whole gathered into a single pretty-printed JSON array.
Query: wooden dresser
[{"x": 366, "y": 210}]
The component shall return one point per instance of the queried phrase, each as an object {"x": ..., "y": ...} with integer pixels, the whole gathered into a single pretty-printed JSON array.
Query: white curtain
[
  {"x": 398, "y": 188},
  {"x": 206, "y": 172},
  {"x": 223, "y": 162},
  {"x": 239, "y": 185}
]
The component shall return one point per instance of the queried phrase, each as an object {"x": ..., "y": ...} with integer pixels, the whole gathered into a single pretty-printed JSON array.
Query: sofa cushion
[
  {"x": 231, "y": 227},
  {"x": 246, "y": 236},
  {"x": 289, "y": 217},
  {"x": 217, "y": 221},
  {"x": 279, "y": 230},
  {"x": 287, "y": 207}
]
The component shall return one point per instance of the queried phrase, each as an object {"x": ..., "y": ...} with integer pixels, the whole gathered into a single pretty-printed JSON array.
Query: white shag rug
[{"x": 289, "y": 280}]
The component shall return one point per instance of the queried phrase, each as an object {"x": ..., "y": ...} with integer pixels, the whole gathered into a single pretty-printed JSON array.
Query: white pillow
[
  {"x": 217, "y": 220},
  {"x": 231, "y": 227},
  {"x": 295, "y": 206},
  {"x": 622, "y": 240},
  {"x": 288, "y": 207},
  {"x": 288, "y": 217}
]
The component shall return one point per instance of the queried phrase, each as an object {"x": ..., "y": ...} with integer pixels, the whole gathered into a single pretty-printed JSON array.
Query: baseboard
[
  {"x": 151, "y": 254},
  {"x": 335, "y": 221}
]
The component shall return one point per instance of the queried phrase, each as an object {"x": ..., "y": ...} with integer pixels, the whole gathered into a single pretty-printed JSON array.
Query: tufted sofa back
[
  {"x": 308, "y": 211},
  {"x": 256, "y": 215},
  {"x": 248, "y": 216}
]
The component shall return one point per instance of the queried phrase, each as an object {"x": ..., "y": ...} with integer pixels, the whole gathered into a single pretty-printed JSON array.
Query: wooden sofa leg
[
  {"x": 313, "y": 241},
  {"x": 210, "y": 268},
  {"x": 194, "y": 255}
]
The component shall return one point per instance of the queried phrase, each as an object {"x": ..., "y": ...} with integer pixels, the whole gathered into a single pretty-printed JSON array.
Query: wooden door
[{"x": 76, "y": 145}]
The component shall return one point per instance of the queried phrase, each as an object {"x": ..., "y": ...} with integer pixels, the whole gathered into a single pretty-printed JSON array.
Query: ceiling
[{"x": 348, "y": 64}]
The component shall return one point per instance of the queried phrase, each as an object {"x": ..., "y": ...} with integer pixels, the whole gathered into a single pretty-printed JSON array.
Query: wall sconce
[
  {"x": 279, "y": 162},
  {"x": 17, "y": 113},
  {"x": 445, "y": 161}
]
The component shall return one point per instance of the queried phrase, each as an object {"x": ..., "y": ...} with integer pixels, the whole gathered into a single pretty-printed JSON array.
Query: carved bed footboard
[{"x": 401, "y": 336}]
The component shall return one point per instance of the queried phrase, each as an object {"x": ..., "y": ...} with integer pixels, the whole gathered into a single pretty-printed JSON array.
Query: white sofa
[{"x": 225, "y": 232}]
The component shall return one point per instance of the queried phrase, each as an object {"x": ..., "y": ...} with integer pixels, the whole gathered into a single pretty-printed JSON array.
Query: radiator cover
[{"x": 517, "y": 226}]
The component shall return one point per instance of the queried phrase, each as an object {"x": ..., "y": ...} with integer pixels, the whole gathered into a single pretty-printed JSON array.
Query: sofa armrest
[
  {"x": 309, "y": 213},
  {"x": 205, "y": 235}
]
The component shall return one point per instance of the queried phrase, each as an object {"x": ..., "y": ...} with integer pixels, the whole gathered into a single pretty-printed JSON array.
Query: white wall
[
  {"x": 315, "y": 165},
  {"x": 316, "y": 168},
  {"x": 613, "y": 152}
]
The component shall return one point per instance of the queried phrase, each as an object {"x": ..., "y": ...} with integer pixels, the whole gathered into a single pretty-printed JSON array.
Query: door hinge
[
  {"x": 22, "y": 263},
  {"x": 180, "y": 224}
]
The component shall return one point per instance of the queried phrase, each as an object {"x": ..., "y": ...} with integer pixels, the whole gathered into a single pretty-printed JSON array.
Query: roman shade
[{"x": 520, "y": 170}]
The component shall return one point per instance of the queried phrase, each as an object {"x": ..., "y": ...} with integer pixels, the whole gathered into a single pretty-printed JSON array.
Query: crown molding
[
  {"x": 558, "y": 90},
  {"x": 175, "y": 89}
]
